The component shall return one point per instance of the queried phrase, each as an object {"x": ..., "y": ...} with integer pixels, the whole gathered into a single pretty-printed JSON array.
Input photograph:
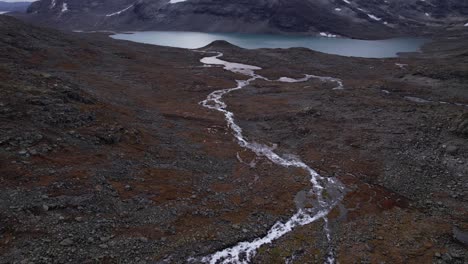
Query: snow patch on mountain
[
  {"x": 64, "y": 8},
  {"x": 327, "y": 35},
  {"x": 120, "y": 12}
]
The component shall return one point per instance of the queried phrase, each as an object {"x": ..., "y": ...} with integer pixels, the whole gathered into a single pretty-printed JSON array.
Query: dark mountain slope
[{"x": 358, "y": 18}]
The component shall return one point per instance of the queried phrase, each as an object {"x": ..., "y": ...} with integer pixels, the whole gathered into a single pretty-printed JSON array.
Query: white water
[{"x": 245, "y": 251}]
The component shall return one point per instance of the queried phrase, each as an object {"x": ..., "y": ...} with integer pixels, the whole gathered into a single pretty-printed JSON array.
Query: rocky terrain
[
  {"x": 356, "y": 18},
  {"x": 106, "y": 155}
]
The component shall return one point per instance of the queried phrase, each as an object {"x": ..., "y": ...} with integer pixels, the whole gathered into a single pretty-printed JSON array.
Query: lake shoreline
[{"x": 330, "y": 45}]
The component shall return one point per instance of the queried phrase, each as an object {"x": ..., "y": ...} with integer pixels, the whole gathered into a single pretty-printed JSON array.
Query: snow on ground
[
  {"x": 64, "y": 8},
  {"x": 371, "y": 16},
  {"x": 374, "y": 17},
  {"x": 328, "y": 35},
  {"x": 120, "y": 12}
]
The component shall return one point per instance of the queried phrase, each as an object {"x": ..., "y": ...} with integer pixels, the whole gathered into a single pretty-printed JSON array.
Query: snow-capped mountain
[{"x": 355, "y": 18}]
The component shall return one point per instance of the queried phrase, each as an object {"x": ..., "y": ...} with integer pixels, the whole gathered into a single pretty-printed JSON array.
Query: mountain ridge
[{"x": 359, "y": 19}]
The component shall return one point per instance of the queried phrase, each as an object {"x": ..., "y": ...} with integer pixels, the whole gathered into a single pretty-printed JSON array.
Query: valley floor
[{"x": 107, "y": 156}]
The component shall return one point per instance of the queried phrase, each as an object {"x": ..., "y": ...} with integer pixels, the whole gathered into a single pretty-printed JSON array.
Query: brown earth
[{"x": 107, "y": 156}]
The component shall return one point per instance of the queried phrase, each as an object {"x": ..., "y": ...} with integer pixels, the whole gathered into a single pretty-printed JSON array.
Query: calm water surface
[{"x": 339, "y": 46}]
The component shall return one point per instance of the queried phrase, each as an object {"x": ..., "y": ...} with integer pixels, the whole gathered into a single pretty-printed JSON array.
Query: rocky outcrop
[
  {"x": 359, "y": 18},
  {"x": 461, "y": 125}
]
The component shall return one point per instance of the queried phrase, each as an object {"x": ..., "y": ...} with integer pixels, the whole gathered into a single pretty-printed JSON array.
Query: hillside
[
  {"x": 108, "y": 156},
  {"x": 358, "y": 18}
]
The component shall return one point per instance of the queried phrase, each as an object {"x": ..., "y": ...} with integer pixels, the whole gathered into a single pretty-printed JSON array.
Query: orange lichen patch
[
  {"x": 159, "y": 184},
  {"x": 259, "y": 106},
  {"x": 364, "y": 198},
  {"x": 223, "y": 187},
  {"x": 37, "y": 57},
  {"x": 84, "y": 54},
  {"x": 189, "y": 225},
  {"x": 13, "y": 176},
  {"x": 368, "y": 169},
  {"x": 189, "y": 116},
  {"x": 236, "y": 199},
  {"x": 311, "y": 153},
  {"x": 148, "y": 231},
  {"x": 400, "y": 237},
  {"x": 106, "y": 84},
  {"x": 78, "y": 181},
  {"x": 4, "y": 75},
  {"x": 237, "y": 217},
  {"x": 71, "y": 157},
  {"x": 67, "y": 66},
  {"x": 441, "y": 195},
  {"x": 217, "y": 146},
  {"x": 22, "y": 177},
  {"x": 6, "y": 241},
  {"x": 335, "y": 213},
  {"x": 273, "y": 190},
  {"x": 45, "y": 180},
  {"x": 10, "y": 238},
  {"x": 248, "y": 158}
]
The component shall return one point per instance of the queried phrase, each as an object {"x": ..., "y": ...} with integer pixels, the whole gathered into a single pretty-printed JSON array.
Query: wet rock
[
  {"x": 451, "y": 149},
  {"x": 103, "y": 246},
  {"x": 45, "y": 75},
  {"x": 460, "y": 236},
  {"x": 460, "y": 126},
  {"x": 447, "y": 257},
  {"x": 66, "y": 242},
  {"x": 370, "y": 248},
  {"x": 416, "y": 100},
  {"x": 105, "y": 239},
  {"x": 33, "y": 152}
]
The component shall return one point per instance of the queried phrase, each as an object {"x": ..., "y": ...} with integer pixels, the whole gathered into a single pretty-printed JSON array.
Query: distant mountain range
[
  {"x": 14, "y": 7},
  {"x": 352, "y": 18}
]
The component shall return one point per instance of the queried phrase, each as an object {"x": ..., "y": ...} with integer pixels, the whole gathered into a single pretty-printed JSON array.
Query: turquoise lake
[{"x": 339, "y": 46}]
